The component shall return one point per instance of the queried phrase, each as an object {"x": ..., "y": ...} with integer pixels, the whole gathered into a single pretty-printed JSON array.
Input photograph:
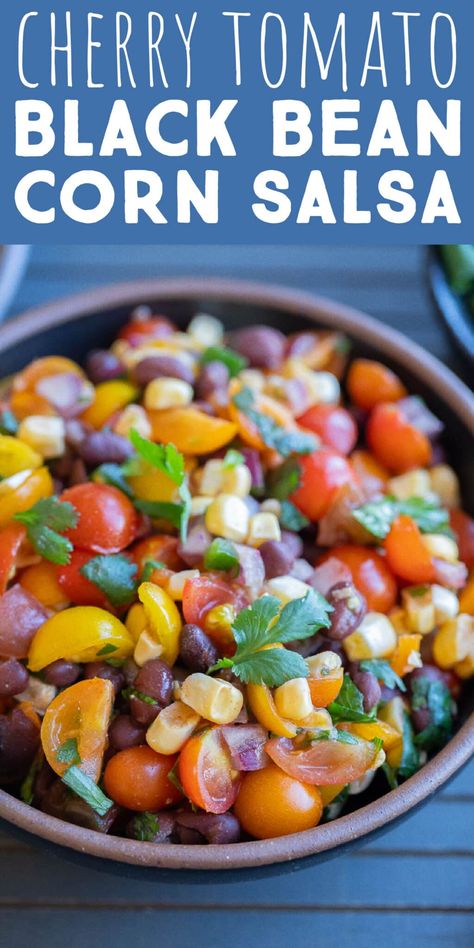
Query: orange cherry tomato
[
  {"x": 14, "y": 500},
  {"x": 271, "y": 803},
  {"x": 325, "y": 689},
  {"x": 406, "y": 553},
  {"x": 190, "y": 430},
  {"x": 370, "y": 574},
  {"x": 202, "y": 594},
  {"x": 396, "y": 443},
  {"x": 42, "y": 368},
  {"x": 334, "y": 425},
  {"x": 11, "y": 538},
  {"x": 372, "y": 476},
  {"x": 137, "y": 778},
  {"x": 463, "y": 527},
  {"x": 139, "y": 331},
  {"x": 206, "y": 772},
  {"x": 162, "y": 548},
  {"x": 265, "y": 405},
  {"x": 324, "y": 762},
  {"x": 370, "y": 382},
  {"x": 26, "y": 403},
  {"x": 82, "y": 713},
  {"x": 321, "y": 475},
  {"x": 77, "y": 588},
  {"x": 466, "y": 599},
  {"x": 41, "y": 581},
  {"x": 407, "y": 645},
  {"x": 107, "y": 519}
]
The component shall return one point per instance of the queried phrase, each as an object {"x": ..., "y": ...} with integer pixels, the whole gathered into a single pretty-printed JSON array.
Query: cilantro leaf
[
  {"x": 146, "y": 827},
  {"x": 349, "y": 704},
  {"x": 175, "y": 514},
  {"x": 113, "y": 474},
  {"x": 271, "y": 667},
  {"x": 410, "y": 761},
  {"x": 165, "y": 457},
  {"x": 232, "y": 459},
  {"x": 383, "y": 671},
  {"x": 49, "y": 544},
  {"x": 108, "y": 649},
  {"x": 273, "y": 435},
  {"x": 250, "y": 628},
  {"x": 291, "y": 518},
  {"x": 436, "y": 697},
  {"x": 378, "y": 516},
  {"x": 45, "y": 521},
  {"x": 233, "y": 360},
  {"x": 132, "y": 692},
  {"x": 84, "y": 787},
  {"x": 68, "y": 753},
  {"x": 27, "y": 788},
  {"x": 114, "y": 575},
  {"x": 391, "y": 775},
  {"x": 8, "y": 422},
  {"x": 284, "y": 479},
  {"x": 301, "y": 618},
  {"x": 221, "y": 554}
]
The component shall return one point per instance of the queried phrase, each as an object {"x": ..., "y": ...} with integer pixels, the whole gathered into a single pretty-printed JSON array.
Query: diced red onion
[
  {"x": 252, "y": 569},
  {"x": 453, "y": 575},
  {"x": 246, "y": 745},
  {"x": 418, "y": 414},
  {"x": 296, "y": 393},
  {"x": 252, "y": 460},
  {"x": 21, "y": 615},
  {"x": 68, "y": 393},
  {"x": 301, "y": 344},
  {"x": 302, "y": 570},
  {"x": 196, "y": 543},
  {"x": 328, "y": 574}
]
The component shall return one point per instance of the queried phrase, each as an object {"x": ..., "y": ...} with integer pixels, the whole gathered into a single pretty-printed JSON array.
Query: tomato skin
[
  {"x": 334, "y": 425},
  {"x": 370, "y": 574},
  {"x": 139, "y": 331},
  {"x": 325, "y": 689},
  {"x": 11, "y": 538},
  {"x": 137, "y": 778},
  {"x": 271, "y": 803},
  {"x": 406, "y": 554},
  {"x": 107, "y": 520},
  {"x": 76, "y": 587},
  {"x": 83, "y": 712},
  {"x": 202, "y": 594},
  {"x": 325, "y": 762},
  {"x": 396, "y": 443},
  {"x": 206, "y": 773},
  {"x": 162, "y": 548},
  {"x": 370, "y": 382},
  {"x": 321, "y": 475},
  {"x": 463, "y": 527}
]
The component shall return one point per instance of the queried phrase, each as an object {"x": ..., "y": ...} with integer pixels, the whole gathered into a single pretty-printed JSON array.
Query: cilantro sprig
[
  {"x": 114, "y": 575},
  {"x": 231, "y": 359},
  {"x": 436, "y": 697},
  {"x": 377, "y": 517},
  {"x": 265, "y": 624},
  {"x": 45, "y": 523},
  {"x": 384, "y": 672},
  {"x": 273, "y": 435},
  {"x": 349, "y": 704},
  {"x": 167, "y": 459},
  {"x": 77, "y": 781},
  {"x": 146, "y": 826}
]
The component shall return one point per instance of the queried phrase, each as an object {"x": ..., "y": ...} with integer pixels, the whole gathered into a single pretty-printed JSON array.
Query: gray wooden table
[{"x": 412, "y": 886}]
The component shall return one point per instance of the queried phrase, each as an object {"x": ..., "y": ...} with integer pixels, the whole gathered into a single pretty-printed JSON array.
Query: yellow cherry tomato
[
  {"x": 136, "y": 620},
  {"x": 263, "y": 707},
  {"x": 42, "y": 582},
  {"x": 329, "y": 793},
  {"x": 163, "y": 619},
  {"x": 109, "y": 398},
  {"x": 191, "y": 431},
  {"x": 18, "y": 493},
  {"x": 152, "y": 484},
  {"x": 79, "y": 634},
  {"x": 81, "y": 713},
  {"x": 371, "y": 729},
  {"x": 16, "y": 456}
]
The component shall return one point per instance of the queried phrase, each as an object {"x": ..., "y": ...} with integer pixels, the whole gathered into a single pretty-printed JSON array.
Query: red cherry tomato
[
  {"x": 406, "y": 553},
  {"x": 77, "y": 588},
  {"x": 321, "y": 476},
  {"x": 11, "y": 538},
  {"x": 396, "y": 443},
  {"x": 107, "y": 519},
  {"x": 138, "y": 331},
  {"x": 202, "y": 594},
  {"x": 334, "y": 425},
  {"x": 206, "y": 773},
  {"x": 463, "y": 527},
  {"x": 324, "y": 763},
  {"x": 370, "y": 574}
]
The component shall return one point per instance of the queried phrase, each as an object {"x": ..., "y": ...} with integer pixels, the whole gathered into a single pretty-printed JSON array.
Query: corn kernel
[
  {"x": 454, "y": 641},
  {"x": 206, "y": 330},
  {"x": 445, "y": 484},
  {"x": 444, "y": 548},
  {"x": 172, "y": 728},
  {"x": 318, "y": 717},
  {"x": 167, "y": 393},
  {"x": 133, "y": 416},
  {"x": 177, "y": 582},
  {"x": 228, "y": 517},
  {"x": 38, "y": 693},
  {"x": 419, "y": 609},
  {"x": 210, "y": 477},
  {"x": 271, "y": 505},
  {"x": 293, "y": 699},
  {"x": 44, "y": 433},
  {"x": 375, "y": 638},
  {"x": 146, "y": 648},
  {"x": 286, "y": 588},
  {"x": 263, "y": 527},
  {"x": 253, "y": 379},
  {"x": 414, "y": 483},
  {"x": 199, "y": 505},
  {"x": 237, "y": 480},
  {"x": 392, "y": 713},
  {"x": 213, "y": 699},
  {"x": 322, "y": 664},
  {"x": 322, "y": 388},
  {"x": 445, "y": 602}
]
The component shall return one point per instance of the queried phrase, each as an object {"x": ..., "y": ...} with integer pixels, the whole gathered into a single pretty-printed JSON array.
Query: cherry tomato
[
  {"x": 11, "y": 538},
  {"x": 139, "y": 331},
  {"x": 324, "y": 762},
  {"x": 41, "y": 581},
  {"x": 162, "y": 548},
  {"x": 271, "y": 803},
  {"x": 372, "y": 476},
  {"x": 77, "y": 588},
  {"x": 202, "y": 594},
  {"x": 321, "y": 475},
  {"x": 406, "y": 553},
  {"x": 370, "y": 575},
  {"x": 369, "y": 383},
  {"x": 463, "y": 527},
  {"x": 396, "y": 443},
  {"x": 137, "y": 778},
  {"x": 326, "y": 688},
  {"x": 334, "y": 425},
  {"x": 107, "y": 520},
  {"x": 82, "y": 713},
  {"x": 206, "y": 772}
]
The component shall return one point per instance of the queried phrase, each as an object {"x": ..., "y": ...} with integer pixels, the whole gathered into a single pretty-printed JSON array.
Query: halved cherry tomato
[
  {"x": 139, "y": 331},
  {"x": 203, "y": 593},
  {"x": 79, "y": 634},
  {"x": 408, "y": 647},
  {"x": 370, "y": 574},
  {"x": 109, "y": 398},
  {"x": 16, "y": 455},
  {"x": 406, "y": 553},
  {"x": 263, "y": 706},
  {"x": 42, "y": 368},
  {"x": 15, "y": 499},
  {"x": 265, "y": 405},
  {"x": 41, "y": 581},
  {"x": 82, "y": 713},
  {"x": 321, "y": 475},
  {"x": 271, "y": 803},
  {"x": 107, "y": 519},
  {"x": 190, "y": 430},
  {"x": 372, "y": 475},
  {"x": 334, "y": 425},
  {"x": 11, "y": 538},
  {"x": 206, "y": 772},
  {"x": 466, "y": 599},
  {"x": 26, "y": 403},
  {"x": 369, "y": 730},
  {"x": 325, "y": 762},
  {"x": 396, "y": 443},
  {"x": 161, "y": 548},
  {"x": 326, "y": 689},
  {"x": 162, "y": 618},
  {"x": 370, "y": 382},
  {"x": 463, "y": 527},
  {"x": 137, "y": 778},
  {"x": 77, "y": 588}
]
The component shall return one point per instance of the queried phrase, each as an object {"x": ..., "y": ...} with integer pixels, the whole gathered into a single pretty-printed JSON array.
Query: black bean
[
  {"x": 214, "y": 376},
  {"x": 277, "y": 557},
  {"x": 103, "y": 670},
  {"x": 19, "y": 741},
  {"x": 59, "y": 802},
  {"x": 124, "y": 732},
  {"x": 155, "y": 681},
  {"x": 78, "y": 473},
  {"x": 212, "y": 828},
  {"x": 154, "y": 367},
  {"x": 197, "y": 651},
  {"x": 349, "y": 607},
  {"x": 61, "y": 673},
  {"x": 262, "y": 346},
  {"x": 144, "y": 712},
  {"x": 102, "y": 447},
  {"x": 13, "y": 678},
  {"x": 102, "y": 366},
  {"x": 76, "y": 431},
  {"x": 367, "y": 683}
]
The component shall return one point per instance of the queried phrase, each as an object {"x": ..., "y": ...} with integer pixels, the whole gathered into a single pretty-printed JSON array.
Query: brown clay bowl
[{"x": 73, "y": 326}]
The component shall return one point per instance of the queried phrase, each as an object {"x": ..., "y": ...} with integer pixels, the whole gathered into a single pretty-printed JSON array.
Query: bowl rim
[{"x": 394, "y": 804}]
